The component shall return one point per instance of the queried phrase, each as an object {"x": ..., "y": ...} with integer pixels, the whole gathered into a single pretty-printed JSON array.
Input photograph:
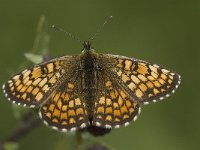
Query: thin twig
[{"x": 28, "y": 124}]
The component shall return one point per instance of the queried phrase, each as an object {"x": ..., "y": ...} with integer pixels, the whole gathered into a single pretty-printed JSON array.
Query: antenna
[
  {"x": 67, "y": 33},
  {"x": 100, "y": 28}
]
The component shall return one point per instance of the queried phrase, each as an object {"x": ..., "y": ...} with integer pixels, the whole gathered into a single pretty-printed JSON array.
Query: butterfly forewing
[
  {"x": 33, "y": 86},
  {"x": 146, "y": 82}
]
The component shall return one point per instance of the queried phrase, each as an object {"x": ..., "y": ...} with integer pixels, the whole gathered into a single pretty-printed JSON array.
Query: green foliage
[
  {"x": 42, "y": 39},
  {"x": 34, "y": 58},
  {"x": 11, "y": 146}
]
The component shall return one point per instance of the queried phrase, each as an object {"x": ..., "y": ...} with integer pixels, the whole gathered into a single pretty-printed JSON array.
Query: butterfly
[{"x": 90, "y": 89}]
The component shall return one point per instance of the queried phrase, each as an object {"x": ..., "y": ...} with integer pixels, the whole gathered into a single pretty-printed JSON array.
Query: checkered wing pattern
[
  {"x": 65, "y": 111},
  {"x": 144, "y": 81},
  {"x": 114, "y": 107},
  {"x": 33, "y": 86}
]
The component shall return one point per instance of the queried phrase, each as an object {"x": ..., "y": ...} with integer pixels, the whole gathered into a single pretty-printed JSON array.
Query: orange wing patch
[
  {"x": 32, "y": 86},
  {"x": 146, "y": 82},
  {"x": 114, "y": 108},
  {"x": 65, "y": 110}
]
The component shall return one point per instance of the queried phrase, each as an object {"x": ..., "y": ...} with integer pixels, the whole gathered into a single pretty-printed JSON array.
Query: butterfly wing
[
  {"x": 114, "y": 107},
  {"x": 66, "y": 110},
  {"x": 33, "y": 86},
  {"x": 146, "y": 82}
]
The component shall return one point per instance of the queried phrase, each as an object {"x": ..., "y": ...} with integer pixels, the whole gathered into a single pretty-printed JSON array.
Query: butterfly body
[
  {"x": 90, "y": 89},
  {"x": 89, "y": 71}
]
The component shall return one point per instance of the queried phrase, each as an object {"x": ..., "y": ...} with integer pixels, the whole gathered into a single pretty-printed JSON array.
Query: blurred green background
[{"x": 163, "y": 32}]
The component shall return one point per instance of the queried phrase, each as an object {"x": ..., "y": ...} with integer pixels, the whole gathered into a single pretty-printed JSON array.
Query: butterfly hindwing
[
  {"x": 146, "y": 82},
  {"x": 65, "y": 110},
  {"x": 114, "y": 107},
  {"x": 33, "y": 86}
]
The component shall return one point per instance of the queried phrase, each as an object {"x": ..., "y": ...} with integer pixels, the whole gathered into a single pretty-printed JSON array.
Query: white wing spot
[
  {"x": 64, "y": 130},
  {"x": 32, "y": 106},
  {"x": 135, "y": 118},
  {"x": 55, "y": 128},
  {"x": 83, "y": 125},
  {"x": 73, "y": 129},
  {"x": 139, "y": 111},
  {"x": 46, "y": 123},
  {"x": 161, "y": 98},
  {"x": 145, "y": 103},
  {"x": 167, "y": 95},
  {"x": 126, "y": 124},
  {"x": 154, "y": 101},
  {"x": 108, "y": 126},
  {"x": 3, "y": 87},
  {"x": 98, "y": 124},
  {"x": 40, "y": 115},
  {"x": 117, "y": 126}
]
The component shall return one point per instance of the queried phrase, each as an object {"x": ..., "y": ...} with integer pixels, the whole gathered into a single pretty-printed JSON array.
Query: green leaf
[
  {"x": 41, "y": 42},
  {"x": 34, "y": 58},
  {"x": 11, "y": 146}
]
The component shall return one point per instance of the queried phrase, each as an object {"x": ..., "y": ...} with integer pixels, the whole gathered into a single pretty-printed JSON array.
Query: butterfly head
[{"x": 87, "y": 45}]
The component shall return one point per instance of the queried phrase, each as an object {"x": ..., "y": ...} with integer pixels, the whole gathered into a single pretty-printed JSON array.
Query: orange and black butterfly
[{"x": 90, "y": 89}]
